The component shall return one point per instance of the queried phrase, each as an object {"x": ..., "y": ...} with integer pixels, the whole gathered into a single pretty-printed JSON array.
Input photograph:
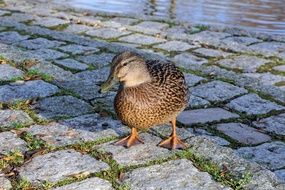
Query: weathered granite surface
[{"x": 66, "y": 129}]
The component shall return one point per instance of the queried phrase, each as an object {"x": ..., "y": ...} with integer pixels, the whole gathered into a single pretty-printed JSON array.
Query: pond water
[{"x": 256, "y": 15}]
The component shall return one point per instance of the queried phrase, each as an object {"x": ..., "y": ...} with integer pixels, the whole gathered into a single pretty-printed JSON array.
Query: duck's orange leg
[
  {"x": 173, "y": 142},
  {"x": 132, "y": 139}
]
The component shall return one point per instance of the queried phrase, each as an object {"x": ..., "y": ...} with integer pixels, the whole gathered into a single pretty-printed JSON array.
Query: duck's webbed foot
[
  {"x": 132, "y": 139},
  {"x": 173, "y": 142}
]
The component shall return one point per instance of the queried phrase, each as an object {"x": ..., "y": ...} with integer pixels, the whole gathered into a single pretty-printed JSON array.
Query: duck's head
[{"x": 128, "y": 68}]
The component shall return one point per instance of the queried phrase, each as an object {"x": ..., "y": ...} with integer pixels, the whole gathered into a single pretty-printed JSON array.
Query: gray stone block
[
  {"x": 205, "y": 116},
  {"x": 139, "y": 154},
  {"x": 270, "y": 155},
  {"x": 149, "y": 27},
  {"x": 192, "y": 79},
  {"x": 8, "y": 118},
  {"x": 62, "y": 106},
  {"x": 9, "y": 142},
  {"x": 26, "y": 91},
  {"x": 248, "y": 64},
  {"x": 11, "y": 37},
  {"x": 211, "y": 53},
  {"x": 5, "y": 183},
  {"x": 98, "y": 60},
  {"x": 75, "y": 49},
  {"x": 197, "y": 102},
  {"x": 47, "y": 54},
  {"x": 243, "y": 133},
  {"x": 56, "y": 166},
  {"x": 39, "y": 43},
  {"x": 185, "y": 60},
  {"x": 72, "y": 64},
  {"x": 175, "y": 46},
  {"x": 216, "y": 91},
  {"x": 141, "y": 39},
  {"x": 8, "y": 72},
  {"x": 274, "y": 124},
  {"x": 107, "y": 33},
  {"x": 251, "y": 104},
  {"x": 94, "y": 183},
  {"x": 50, "y": 21},
  {"x": 171, "y": 175}
]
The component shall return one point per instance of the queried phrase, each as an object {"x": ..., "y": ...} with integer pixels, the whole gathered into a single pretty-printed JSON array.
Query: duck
[{"x": 151, "y": 93}]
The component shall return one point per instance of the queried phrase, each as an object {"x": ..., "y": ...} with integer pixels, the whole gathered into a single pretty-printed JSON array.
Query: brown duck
[{"x": 151, "y": 93}]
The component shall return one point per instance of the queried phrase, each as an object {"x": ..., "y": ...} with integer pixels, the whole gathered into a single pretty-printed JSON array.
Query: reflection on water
[{"x": 256, "y": 15}]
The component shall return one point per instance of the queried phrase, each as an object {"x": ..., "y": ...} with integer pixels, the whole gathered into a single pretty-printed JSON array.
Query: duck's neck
[{"x": 137, "y": 79}]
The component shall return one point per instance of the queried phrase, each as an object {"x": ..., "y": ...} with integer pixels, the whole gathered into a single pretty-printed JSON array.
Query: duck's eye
[{"x": 124, "y": 64}]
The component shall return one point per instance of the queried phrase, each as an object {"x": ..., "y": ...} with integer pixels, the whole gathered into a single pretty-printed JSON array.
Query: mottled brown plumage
[{"x": 152, "y": 93}]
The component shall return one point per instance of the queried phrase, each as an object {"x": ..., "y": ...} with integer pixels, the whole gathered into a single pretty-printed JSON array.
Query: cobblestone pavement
[{"x": 56, "y": 130}]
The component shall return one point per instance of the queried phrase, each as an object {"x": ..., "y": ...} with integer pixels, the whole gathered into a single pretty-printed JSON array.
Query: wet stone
[
  {"x": 280, "y": 174},
  {"x": 139, "y": 154},
  {"x": 192, "y": 79},
  {"x": 94, "y": 183},
  {"x": 245, "y": 63},
  {"x": 149, "y": 27},
  {"x": 26, "y": 91},
  {"x": 243, "y": 133},
  {"x": 107, "y": 33},
  {"x": 141, "y": 39},
  {"x": 273, "y": 124},
  {"x": 11, "y": 37},
  {"x": 72, "y": 64},
  {"x": 62, "y": 106},
  {"x": 197, "y": 102},
  {"x": 96, "y": 123},
  {"x": 205, "y": 116},
  {"x": 216, "y": 91},
  {"x": 39, "y": 43},
  {"x": 9, "y": 142},
  {"x": 5, "y": 183},
  {"x": 186, "y": 60},
  {"x": 252, "y": 104},
  {"x": 208, "y": 37},
  {"x": 50, "y": 21},
  {"x": 98, "y": 60},
  {"x": 175, "y": 46},
  {"x": 9, "y": 118},
  {"x": 78, "y": 49},
  {"x": 268, "y": 48},
  {"x": 8, "y": 72},
  {"x": 270, "y": 155},
  {"x": 266, "y": 78},
  {"x": 57, "y": 166},
  {"x": 175, "y": 174},
  {"x": 47, "y": 54},
  {"x": 56, "y": 72},
  {"x": 279, "y": 68},
  {"x": 211, "y": 53}
]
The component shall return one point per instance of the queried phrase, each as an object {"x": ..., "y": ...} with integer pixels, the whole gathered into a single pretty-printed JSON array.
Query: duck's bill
[{"x": 108, "y": 84}]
